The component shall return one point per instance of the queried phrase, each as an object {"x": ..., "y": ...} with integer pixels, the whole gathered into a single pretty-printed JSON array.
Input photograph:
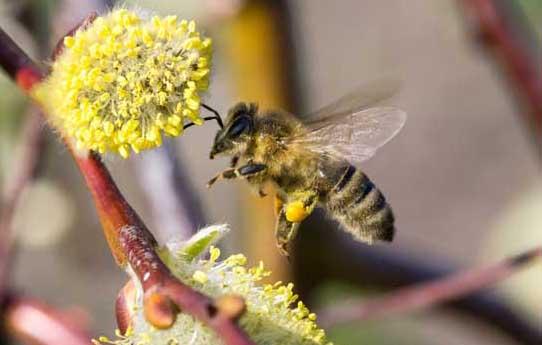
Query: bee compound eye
[{"x": 239, "y": 126}]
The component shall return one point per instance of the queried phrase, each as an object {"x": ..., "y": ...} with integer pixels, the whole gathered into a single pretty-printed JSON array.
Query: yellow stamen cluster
[
  {"x": 123, "y": 81},
  {"x": 274, "y": 314}
]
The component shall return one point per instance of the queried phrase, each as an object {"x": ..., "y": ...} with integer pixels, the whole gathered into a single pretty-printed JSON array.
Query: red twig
[
  {"x": 36, "y": 323},
  {"x": 131, "y": 243},
  {"x": 515, "y": 48},
  {"x": 428, "y": 294}
]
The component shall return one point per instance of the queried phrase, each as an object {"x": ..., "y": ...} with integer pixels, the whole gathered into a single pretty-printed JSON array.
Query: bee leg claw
[
  {"x": 212, "y": 181},
  {"x": 234, "y": 161},
  {"x": 283, "y": 249},
  {"x": 226, "y": 174}
]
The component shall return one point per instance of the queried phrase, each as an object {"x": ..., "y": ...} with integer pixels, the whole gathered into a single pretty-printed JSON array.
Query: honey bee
[{"x": 313, "y": 161}]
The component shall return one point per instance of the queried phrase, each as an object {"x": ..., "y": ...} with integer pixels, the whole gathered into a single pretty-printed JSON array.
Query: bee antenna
[
  {"x": 216, "y": 117},
  {"x": 207, "y": 118}
]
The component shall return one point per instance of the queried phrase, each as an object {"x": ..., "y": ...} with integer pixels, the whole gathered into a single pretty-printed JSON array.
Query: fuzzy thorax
[{"x": 124, "y": 81}]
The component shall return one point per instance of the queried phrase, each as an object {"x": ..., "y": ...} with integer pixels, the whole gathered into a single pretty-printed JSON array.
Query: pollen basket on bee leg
[{"x": 296, "y": 212}]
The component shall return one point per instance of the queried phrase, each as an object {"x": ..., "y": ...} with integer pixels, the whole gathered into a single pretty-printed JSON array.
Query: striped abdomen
[{"x": 361, "y": 207}]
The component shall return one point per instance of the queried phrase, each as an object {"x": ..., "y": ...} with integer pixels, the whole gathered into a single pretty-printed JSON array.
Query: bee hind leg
[
  {"x": 290, "y": 215},
  {"x": 285, "y": 232},
  {"x": 301, "y": 207},
  {"x": 247, "y": 170}
]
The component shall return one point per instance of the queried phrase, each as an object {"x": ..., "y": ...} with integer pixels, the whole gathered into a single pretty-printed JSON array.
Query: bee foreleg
[
  {"x": 251, "y": 169},
  {"x": 285, "y": 232},
  {"x": 247, "y": 170}
]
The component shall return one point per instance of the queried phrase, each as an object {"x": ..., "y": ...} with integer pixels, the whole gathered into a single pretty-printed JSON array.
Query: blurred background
[{"x": 463, "y": 176}]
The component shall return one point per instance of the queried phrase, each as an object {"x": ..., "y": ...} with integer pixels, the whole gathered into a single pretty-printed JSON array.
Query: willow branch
[
  {"x": 428, "y": 294},
  {"x": 132, "y": 245},
  {"x": 22, "y": 173},
  {"x": 175, "y": 207},
  {"x": 33, "y": 322},
  {"x": 503, "y": 30},
  {"x": 363, "y": 265}
]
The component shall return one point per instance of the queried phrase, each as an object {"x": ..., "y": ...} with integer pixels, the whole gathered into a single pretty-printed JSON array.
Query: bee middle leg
[
  {"x": 234, "y": 161},
  {"x": 246, "y": 171}
]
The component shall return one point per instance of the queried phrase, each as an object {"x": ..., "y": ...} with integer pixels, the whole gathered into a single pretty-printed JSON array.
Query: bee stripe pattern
[
  {"x": 345, "y": 178},
  {"x": 361, "y": 207},
  {"x": 365, "y": 188}
]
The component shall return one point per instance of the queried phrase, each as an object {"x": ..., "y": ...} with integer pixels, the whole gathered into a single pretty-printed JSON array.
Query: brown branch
[
  {"x": 175, "y": 207},
  {"x": 133, "y": 244},
  {"x": 22, "y": 173},
  {"x": 15, "y": 62},
  {"x": 503, "y": 30},
  {"x": 35, "y": 323},
  {"x": 384, "y": 268},
  {"x": 130, "y": 241},
  {"x": 84, "y": 23},
  {"x": 428, "y": 294}
]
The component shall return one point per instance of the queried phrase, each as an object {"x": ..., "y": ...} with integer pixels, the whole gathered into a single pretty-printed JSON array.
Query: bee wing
[
  {"x": 353, "y": 136},
  {"x": 363, "y": 96}
]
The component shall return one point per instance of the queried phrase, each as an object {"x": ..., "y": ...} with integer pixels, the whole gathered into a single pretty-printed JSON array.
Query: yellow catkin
[
  {"x": 124, "y": 81},
  {"x": 274, "y": 314}
]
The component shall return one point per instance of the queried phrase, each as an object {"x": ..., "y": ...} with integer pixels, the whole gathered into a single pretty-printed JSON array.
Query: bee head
[{"x": 237, "y": 130}]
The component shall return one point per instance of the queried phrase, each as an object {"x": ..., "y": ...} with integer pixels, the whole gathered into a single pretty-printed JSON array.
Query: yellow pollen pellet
[{"x": 296, "y": 212}]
